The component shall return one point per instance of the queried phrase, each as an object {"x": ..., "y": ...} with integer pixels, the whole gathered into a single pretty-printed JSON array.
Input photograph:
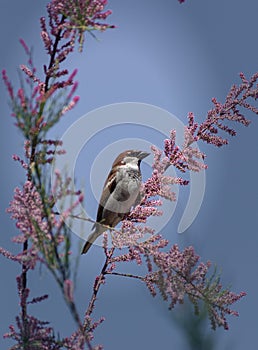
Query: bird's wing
[{"x": 108, "y": 188}]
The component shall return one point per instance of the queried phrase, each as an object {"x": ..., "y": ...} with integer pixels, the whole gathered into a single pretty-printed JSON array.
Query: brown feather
[{"x": 107, "y": 217}]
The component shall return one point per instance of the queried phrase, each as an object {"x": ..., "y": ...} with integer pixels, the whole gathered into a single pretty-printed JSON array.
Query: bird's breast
[{"x": 125, "y": 193}]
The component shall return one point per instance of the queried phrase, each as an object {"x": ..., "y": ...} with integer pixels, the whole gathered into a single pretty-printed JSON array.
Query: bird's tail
[{"x": 92, "y": 238}]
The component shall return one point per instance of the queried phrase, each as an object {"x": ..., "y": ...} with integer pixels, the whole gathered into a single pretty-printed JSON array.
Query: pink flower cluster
[
  {"x": 36, "y": 224},
  {"x": 27, "y": 209},
  {"x": 36, "y": 334},
  {"x": 32, "y": 103},
  {"x": 73, "y": 19},
  {"x": 78, "y": 339},
  {"x": 34, "y": 331},
  {"x": 238, "y": 100},
  {"x": 176, "y": 275},
  {"x": 187, "y": 158},
  {"x": 179, "y": 274}
]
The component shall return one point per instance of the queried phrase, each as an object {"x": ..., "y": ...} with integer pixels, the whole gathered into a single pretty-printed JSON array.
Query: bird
[{"x": 121, "y": 191}]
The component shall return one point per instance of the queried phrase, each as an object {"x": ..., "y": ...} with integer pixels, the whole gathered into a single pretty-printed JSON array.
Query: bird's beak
[{"x": 141, "y": 155}]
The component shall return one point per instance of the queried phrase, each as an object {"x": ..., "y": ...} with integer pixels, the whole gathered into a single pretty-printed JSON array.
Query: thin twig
[
  {"x": 24, "y": 285},
  {"x": 124, "y": 275},
  {"x": 54, "y": 51},
  {"x": 98, "y": 281}
]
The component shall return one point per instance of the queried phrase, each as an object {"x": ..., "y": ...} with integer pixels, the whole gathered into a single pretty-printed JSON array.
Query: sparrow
[{"x": 120, "y": 193}]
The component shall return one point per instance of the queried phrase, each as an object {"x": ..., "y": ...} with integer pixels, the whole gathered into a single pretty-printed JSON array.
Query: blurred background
[{"x": 176, "y": 57}]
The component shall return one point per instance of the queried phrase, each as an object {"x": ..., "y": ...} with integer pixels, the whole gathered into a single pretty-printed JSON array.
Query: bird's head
[{"x": 130, "y": 157}]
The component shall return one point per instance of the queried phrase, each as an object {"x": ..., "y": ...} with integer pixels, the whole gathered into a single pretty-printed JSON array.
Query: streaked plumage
[{"x": 120, "y": 193}]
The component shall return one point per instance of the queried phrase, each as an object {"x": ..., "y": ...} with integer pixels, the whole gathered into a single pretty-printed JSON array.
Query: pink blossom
[
  {"x": 21, "y": 161},
  {"x": 27, "y": 209},
  {"x": 227, "y": 111},
  {"x": 68, "y": 290},
  {"x": 8, "y": 84},
  {"x": 33, "y": 331},
  {"x": 8, "y": 254},
  {"x": 78, "y": 339},
  {"x": 30, "y": 73},
  {"x": 75, "y": 19},
  {"x": 71, "y": 105},
  {"x": 45, "y": 36},
  {"x": 179, "y": 274},
  {"x": 41, "y": 229},
  {"x": 25, "y": 47}
]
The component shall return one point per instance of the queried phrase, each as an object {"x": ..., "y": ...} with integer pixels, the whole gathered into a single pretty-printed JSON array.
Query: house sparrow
[{"x": 120, "y": 193}]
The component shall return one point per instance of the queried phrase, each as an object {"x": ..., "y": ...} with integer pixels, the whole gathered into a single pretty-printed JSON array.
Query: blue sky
[{"x": 176, "y": 57}]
